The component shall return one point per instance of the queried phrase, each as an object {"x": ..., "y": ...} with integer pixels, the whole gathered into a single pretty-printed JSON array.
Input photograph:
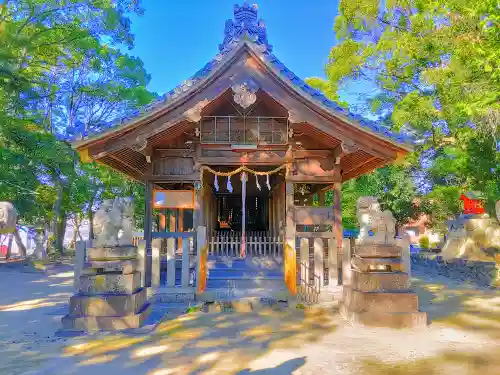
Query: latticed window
[{"x": 244, "y": 130}]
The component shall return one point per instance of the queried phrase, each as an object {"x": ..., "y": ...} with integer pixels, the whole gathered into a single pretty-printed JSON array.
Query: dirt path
[{"x": 463, "y": 339}]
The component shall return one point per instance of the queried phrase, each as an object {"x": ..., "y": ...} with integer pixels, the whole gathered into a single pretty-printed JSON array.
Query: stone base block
[
  {"x": 126, "y": 267},
  {"x": 106, "y": 323},
  {"x": 416, "y": 319},
  {"x": 379, "y": 281},
  {"x": 107, "y": 305},
  {"x": 399, "y": 302},
  {"x": 112, "y": 253},
  {"x": 371, "y": 264},
  {"x": 378, "y": 251},
  {"x": 110, "y": 283}
]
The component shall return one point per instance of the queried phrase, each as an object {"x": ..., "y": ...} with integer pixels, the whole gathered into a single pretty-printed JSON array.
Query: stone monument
[
  {"x": 109, "y": 294},
  {"x": 379, "y": 293}
]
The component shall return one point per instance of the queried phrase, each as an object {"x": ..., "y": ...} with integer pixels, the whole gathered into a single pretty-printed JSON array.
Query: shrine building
[{"x": 236, "y": 161}]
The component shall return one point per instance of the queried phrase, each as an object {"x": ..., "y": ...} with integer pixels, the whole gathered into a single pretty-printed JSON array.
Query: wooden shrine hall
[{"x": 246, "y": 150}]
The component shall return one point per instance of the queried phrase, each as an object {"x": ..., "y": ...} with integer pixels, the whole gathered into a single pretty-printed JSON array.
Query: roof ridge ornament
[{"x": 245, "y": 26}]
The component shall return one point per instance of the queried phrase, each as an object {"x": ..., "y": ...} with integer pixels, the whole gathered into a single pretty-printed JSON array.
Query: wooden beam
[{"x": 173, "y": 178}]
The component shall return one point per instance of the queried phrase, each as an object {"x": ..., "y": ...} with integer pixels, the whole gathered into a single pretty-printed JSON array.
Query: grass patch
[{"x": 193, "y": 309}]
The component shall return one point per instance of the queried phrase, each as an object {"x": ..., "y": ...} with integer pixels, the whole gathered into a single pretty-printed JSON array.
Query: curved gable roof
[{"x": 246, "y": 31}]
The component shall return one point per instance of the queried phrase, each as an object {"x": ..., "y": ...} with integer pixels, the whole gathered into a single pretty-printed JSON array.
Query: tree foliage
[
  {"x": 435, "y": 64},
  {"x": 63, "y": 75}
]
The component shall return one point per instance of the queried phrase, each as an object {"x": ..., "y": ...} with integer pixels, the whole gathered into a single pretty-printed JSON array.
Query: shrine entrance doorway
[{"x": 244, "y": 212}]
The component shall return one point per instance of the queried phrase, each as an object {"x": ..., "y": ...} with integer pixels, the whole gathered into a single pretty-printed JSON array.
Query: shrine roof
[
  {"x": 474, "y": 195},
  {"x": 247, "y": 29}
]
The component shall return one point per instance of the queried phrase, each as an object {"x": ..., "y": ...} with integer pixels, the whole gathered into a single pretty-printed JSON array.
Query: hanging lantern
[{"x": 229, "y": 186}]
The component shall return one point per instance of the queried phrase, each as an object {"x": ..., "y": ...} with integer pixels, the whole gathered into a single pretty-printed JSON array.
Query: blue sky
[{"x": 175, "y": 38}]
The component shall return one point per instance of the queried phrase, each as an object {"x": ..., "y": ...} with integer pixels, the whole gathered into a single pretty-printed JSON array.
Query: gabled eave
[{"x": 177, "y": 97}]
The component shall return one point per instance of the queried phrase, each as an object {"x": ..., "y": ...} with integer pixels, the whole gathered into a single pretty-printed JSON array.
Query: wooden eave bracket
[
  {"x": 343, "y": 149},
  {"x": 142, "y": 145}
]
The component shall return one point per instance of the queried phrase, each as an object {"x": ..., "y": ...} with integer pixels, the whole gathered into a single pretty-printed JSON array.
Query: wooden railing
[
  {"x": 244, "y": 130},
  {"x": 257, "y": 244},
  {"x": 168, "y": 250}
]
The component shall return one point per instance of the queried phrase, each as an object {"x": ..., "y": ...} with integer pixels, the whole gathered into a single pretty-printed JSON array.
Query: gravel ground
[{"x": 464, "y": 337}]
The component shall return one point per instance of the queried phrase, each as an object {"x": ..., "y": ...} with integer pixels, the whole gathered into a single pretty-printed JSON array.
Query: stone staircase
[{"x": 252, "y": 277}]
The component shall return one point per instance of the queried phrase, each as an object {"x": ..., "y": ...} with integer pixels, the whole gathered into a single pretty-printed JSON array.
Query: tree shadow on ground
[
  {"x": 206, "y": 343},
  {"x": 31, "y": 306},
  {"x": 287, "y": 367},
  {"x": 485, "y": 361},
  {"x": 460, "y": 305}
]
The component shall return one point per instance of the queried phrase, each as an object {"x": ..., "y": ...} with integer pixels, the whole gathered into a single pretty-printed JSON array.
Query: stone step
[
  {"x": 245, "y": 305},
  {"x": 248, "y": 283},
  {"x": 416, "y": 319},
  {"x": 106, "y": 323},
  {"x": 242, "y": 272},
  {"x": 358, "y": 301},
  {"x": 225, "y": 294},
  {"x": 107, "y": 305},
  {"x": 379, "y": 281},
  {"x": 110, "y": 283},
  {"x": 249, "y": 263}
]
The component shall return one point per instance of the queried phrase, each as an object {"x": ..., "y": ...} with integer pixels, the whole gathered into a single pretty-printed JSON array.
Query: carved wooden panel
[
  {"x": 311, "y": 169},
  {"x": 314, "y": 216},
  {"x": 177, "y": 166}
]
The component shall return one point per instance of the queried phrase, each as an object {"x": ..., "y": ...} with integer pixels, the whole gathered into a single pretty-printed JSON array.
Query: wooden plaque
[{"x": 173, "y": 199}]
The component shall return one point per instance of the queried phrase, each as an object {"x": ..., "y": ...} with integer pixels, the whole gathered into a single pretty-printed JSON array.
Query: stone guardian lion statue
[
  {"x": 113, "y": 222},
  {"x": 371, "y": 219}
]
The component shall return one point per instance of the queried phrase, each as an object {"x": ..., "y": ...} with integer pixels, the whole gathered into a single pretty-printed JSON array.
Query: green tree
[
  {"x": 435, "y": 64},
  {"x": 57, "y": 73}
]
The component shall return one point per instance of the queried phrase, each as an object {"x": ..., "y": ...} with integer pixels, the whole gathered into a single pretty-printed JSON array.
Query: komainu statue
[
  {"x": 474, "y": 238},
  {"x": 113, "y": 222},
  {"x": 372, "y": 219},
  {"x": 8, "y": 217}
]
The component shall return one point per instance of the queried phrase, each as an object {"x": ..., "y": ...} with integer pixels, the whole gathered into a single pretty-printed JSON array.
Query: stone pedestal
[
  {"x": 109, "y": 294},
  {"x": 379, "y": 291}
]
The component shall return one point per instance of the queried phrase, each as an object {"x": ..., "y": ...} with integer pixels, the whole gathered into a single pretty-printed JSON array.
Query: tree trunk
[
  {"x": 19, "y": 242},
  {"x": 90, "y": 216},
  {"x": 60, "y": 232},
  {"x": 56, "y": 225}
]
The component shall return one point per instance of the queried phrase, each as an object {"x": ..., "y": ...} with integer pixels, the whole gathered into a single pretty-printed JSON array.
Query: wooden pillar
[
  {"x": 148, "y": 232},
  {"x": 290, "y": 216},
  {"x": 163, "y": 222},
  {"x": 243, "y": 213},
  {"x": 337, "y": 227},
  {"x": 272, "y": 224},
  {"x": 171, "y": 217}
]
